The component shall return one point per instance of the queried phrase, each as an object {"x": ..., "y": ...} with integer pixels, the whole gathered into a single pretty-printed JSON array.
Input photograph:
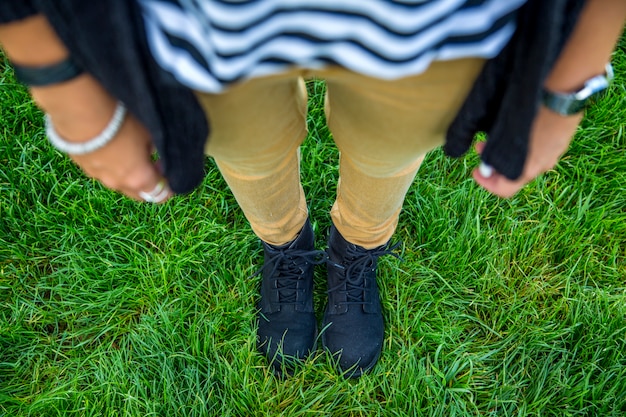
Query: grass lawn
[{"x": 498, "y": 307}]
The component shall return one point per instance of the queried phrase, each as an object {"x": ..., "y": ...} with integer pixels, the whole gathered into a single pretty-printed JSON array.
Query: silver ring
[
  {"x": 485, "y": 170},
  {"x": 158, "y": 194}
]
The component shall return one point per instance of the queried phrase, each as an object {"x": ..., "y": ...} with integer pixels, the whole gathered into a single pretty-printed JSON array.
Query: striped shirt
[{"x": 209, "y": 44}]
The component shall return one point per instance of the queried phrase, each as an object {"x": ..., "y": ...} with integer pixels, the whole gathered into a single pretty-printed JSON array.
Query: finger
[
  {"x": 485, "y": 170},
  {"x": 498, "y": 184},
  {"x": 143, "y": 183},
  {"x": 167, "y": 192},
  {"x": 146, "y": 183},
  {"x": 158, "y": 166},
  {"x": 159, "y": 194},
  {"x": 491, "y": 180}
]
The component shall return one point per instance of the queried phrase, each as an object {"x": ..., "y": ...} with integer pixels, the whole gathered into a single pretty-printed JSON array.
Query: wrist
[
  {"x": 92, "y": 144},
  {"x": 79, "y": 108},
  {"x": 573, "y": 79}
]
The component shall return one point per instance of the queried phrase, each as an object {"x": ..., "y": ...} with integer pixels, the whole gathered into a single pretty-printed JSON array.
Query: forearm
[
  {"x": 590, "y": 45},
  {"x": 79, "y": 107}
]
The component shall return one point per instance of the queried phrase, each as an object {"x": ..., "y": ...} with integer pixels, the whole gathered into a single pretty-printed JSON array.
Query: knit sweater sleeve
[
  {"x": 11, "y": 10},
  {"x": 505, "y": 97}
]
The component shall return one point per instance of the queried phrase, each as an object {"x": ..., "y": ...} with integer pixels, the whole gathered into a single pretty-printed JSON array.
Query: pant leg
[
  {"x": 383, "y": 129},
  {"x": 256, "y": 130}
]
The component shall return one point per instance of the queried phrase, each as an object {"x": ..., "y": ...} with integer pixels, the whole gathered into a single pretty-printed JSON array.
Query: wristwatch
[{"x": 569, "y": 104}]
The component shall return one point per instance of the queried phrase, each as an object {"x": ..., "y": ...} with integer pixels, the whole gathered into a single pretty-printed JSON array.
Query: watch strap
[{"x": 48, "y": 74}]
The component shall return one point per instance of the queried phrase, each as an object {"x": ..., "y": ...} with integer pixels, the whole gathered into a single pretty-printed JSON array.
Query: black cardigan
[
  {"x": 506, "y": 96},
  {"x": 107, "y": 38}
]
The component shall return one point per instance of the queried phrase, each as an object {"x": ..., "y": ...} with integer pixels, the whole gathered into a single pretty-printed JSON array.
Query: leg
[
  {"x": 383, "y": 130},
  {"x": 257, "y": 128}
]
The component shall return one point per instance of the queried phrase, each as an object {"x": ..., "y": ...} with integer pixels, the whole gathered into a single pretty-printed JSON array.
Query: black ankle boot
[
  {"x": 286, "y": 323},
  {"x": 353, "y": 322}
]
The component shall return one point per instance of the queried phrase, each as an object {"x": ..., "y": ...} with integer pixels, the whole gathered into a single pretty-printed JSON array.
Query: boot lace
[
  {"x": 287, "y": 268},
  {"x": 360, "y": 262}
]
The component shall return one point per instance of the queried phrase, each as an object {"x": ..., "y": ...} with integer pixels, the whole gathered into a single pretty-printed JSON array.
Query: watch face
[{"x": 593, "y": 88}]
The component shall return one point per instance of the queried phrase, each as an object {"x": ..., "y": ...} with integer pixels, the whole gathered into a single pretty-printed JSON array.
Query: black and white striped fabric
[{"x": 209, "y": 44}]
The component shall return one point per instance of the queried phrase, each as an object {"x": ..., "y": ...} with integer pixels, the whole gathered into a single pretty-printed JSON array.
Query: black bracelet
[{"x": 47, "y": 75}]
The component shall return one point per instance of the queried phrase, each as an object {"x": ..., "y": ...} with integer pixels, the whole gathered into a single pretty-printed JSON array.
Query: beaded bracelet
[{"x": 82, "y": 148}]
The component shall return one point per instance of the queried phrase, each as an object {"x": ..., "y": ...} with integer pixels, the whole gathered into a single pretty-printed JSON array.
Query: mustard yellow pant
[{"x": 383, "y": 129}]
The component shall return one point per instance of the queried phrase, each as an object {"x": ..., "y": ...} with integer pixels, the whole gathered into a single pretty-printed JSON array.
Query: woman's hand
[
  {"x": 550, "y": 137},
  {"x": 125, "y": 164},
  {"x": 80, "y": 109}
]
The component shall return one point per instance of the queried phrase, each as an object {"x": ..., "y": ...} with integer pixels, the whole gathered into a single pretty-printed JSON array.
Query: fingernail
[{"x": 485, "y": 170}]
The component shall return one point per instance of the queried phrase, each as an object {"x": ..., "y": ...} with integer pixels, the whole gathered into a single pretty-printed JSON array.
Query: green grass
[{"x": 498, "y": 308}]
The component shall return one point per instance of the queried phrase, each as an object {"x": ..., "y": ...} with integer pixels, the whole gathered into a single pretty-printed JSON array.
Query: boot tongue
[
  {"x": 286, "y": 288},
  {"x": 355, "y": 294},
  {"x": 289, "y": 269},
  {"x": 287, "y": 274},
  {"x": 359, "y": 265}
]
